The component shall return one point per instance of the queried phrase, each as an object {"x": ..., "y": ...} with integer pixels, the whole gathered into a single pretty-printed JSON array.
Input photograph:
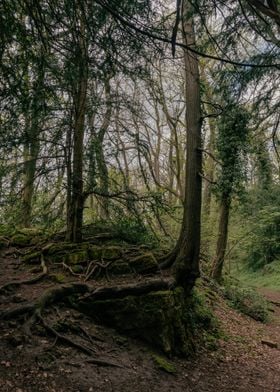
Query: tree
[{"x": 231, "y": 144}]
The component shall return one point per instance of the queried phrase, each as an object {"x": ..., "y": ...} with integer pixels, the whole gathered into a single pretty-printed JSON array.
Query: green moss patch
[{"x": 162, "y": 364}]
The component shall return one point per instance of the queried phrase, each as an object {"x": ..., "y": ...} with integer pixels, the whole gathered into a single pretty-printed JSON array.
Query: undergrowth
[{"x": 247, "y": 300}]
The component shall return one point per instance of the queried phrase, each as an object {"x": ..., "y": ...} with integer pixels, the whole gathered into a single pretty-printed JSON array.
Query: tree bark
[
  {"x": 188, "y": 246},
  {"x": 218, "y": 262},
  {"x": 74, "y": 229},
  {"x": 32, "y": 143}
]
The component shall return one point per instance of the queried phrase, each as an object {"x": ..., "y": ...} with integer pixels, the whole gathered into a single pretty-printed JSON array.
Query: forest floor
[{"x": 245, "y": 358}]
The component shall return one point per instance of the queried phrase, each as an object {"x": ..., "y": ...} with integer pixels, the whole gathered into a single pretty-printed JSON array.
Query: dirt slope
[{"x": 241, "y": 361}]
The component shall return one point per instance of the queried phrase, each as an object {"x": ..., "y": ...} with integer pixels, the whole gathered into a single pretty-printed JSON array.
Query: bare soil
[{"x": 246, "y": 358}]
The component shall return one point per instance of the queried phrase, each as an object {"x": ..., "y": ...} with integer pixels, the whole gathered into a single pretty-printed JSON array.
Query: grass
[{"x": 268, "y": 277}]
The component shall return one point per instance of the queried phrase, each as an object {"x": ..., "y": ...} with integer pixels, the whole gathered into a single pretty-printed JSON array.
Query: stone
[
  {"x": 20, "y": 240},
  {"x": 157, "y": 318},
  {"x": 145, "y": 262},
  {"x": 78, "y": 257}
]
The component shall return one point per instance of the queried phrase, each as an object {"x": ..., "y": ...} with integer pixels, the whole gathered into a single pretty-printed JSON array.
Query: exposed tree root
[
  {"x": 65, "y": 339},
  {"x": 49, "y": 297},
  {"x": 36, "y": 279},
  {"x": 67, "y": 267},
  {"x": 96, "y": 265},
  {"x": 80, "y": 347},
  {"x": 103, "y": 293},
  {"x": 58, "y": 293}
]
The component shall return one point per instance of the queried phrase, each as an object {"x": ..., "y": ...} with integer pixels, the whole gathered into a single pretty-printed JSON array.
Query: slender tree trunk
[
  {"x": 99, "y": 153},
  {"x": 74, "y": 230},
  {"x": 77, "y": 198},
  {"x": 218, "y": 262},
  {"x": 68, "y": 156},
  {"x": 32, "y": 143},
  {"x": 31, "y": 151},
  {"x": 188, "y": 246}
]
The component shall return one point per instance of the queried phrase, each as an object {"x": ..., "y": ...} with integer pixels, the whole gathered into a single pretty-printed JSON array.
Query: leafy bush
[
  {"x": 127, "y": 229},
  {"x": 247, "y": 301}
]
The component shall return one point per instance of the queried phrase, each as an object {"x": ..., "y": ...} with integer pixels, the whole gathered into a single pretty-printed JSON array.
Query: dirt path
[{"x": 241, "y": 362}]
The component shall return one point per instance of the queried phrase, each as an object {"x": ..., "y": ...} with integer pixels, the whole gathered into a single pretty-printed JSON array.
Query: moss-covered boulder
[
  {"x": 20, "y": 240},
  {"x": 32, "y": 257},
  {"x": 143, "y": 263},
  {"x": 95, "y": 252},
  {"x": 31, "y": 232},
  {"x": 157, "y": 317},
  {"x": 119, "y": 267},
  {"x": 77, "y": 257},
  {"x": 27, "y": 236},
  {"x": 110, "y": 252}
]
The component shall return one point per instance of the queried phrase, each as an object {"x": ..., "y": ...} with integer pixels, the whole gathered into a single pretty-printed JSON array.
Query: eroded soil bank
[{"x": 241, "y": 360}]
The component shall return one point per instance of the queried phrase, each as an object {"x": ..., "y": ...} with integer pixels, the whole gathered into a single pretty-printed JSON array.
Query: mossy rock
[
  {"x": 95, "y": 252},
  {"x": 119, "y": 267},
  {"x": 112, "y": 252},
  {"x": 33, "y": 257},
  {"x": 20, "y": 240},
  {"x": 31, "y": 232},
  {"x": 78, "y": 257},
  {"x": 58, "y": 278},
  {"x": 143, "y": 263},
  {"x": 78, "y": 269},
  {"x": 157, "y": 318}
]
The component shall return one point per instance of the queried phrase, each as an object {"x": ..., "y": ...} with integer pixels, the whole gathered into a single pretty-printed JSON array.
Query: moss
[
  {"x": 112, "y": 252},
  {"x": 33, "y": 257},
  {"x": 61, "y": 247},
  {"x": 31, "y": 232},
  {"x": 78, "y": 269},
  {"x": 20, "y": 240},
  {"x": 77, "y": 257},
  {"x": 95, "y": 252},
  {"x": 144, "y": 262},
  {"x": 156, "y": 317},
  {"x": 163, "y": 364},
  {"x": 119, "y": 267},
  {"x": 59, "y": 278}
]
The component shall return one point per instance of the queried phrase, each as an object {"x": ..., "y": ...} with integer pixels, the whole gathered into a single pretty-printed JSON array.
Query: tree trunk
[
  {"x": 218, "y": 262},
  {"x": 188, "y": 246},
  {"x": 74, "y": 229},
  {"x": 31, "y": 151},
  {"x": 32, "y": 143},
  {"x": 207, "y": 195}
]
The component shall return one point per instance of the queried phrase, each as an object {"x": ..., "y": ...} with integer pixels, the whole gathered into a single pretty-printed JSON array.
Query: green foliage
[
  {"x": 268, "y": 277},
  {"x": 128, "y": 229},
  {"x": 231, "y": 147},
  {"x": 247, "y": 301},
  {"x": 201, "y": 320},
  {"x": 264, "y": 241}
]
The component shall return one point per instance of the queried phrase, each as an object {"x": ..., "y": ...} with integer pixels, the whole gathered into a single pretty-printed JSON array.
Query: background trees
[{"x": 100, "y": 122}]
